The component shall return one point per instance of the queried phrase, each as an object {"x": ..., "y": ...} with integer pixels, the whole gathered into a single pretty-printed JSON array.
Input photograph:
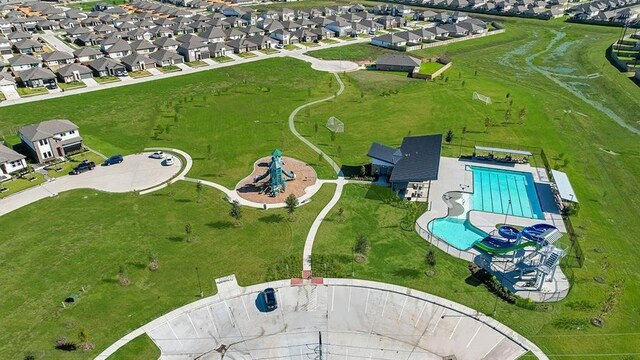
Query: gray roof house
[
  {"x": 137, "y": 62},
  {"x": 11, "y": 161},
  {"x": 397, "y": 63},
  {"x": 57, "y": 58},
  {"x": 23, "y": 62},
  {"x": 51, "y": 139},
  {"x": 166, "y": 57},
  {"x": 118, "y": 49},
  {"x": 105, "y": 67},
  {"x": 28, "y": 46},
  {"x": 410, "y": 168},
  {"x": 74, "y": 72},
  {"x": 87, "y": 54},
  {"x": 37, "y": 77}
]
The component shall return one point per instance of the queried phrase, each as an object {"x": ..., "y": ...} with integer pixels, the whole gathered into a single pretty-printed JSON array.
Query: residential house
[
  {"x": 164, "y": 43},
  {"x": 37, "y": 77},
  {"x": 105, "y": 66},
  {"x": 74, "y": 72},
  {"x": 218, "y": 49},
  {"x": 242, "y": 45},
  {"x": 5, "y": 46},
  {"x": 194, "y": 50},
  {"x": 11, "y": 161},
  {"x": 87, "y": 54},
  {"x": 24, "y": 62},
  {"x": 396, "y": 62},
  {"x": 166, "y": 57},
  {"x": 51, "y": 139},
  {"x": 388, "y": 40},
  {"x": 143, "y": 47},
  {"x": 16, "y": 36},
  {"x": 28, "y": 46},
  {"x": 90, "y": 39},
  {"x": 118, "y": 49},
  {"x": 137, "y": 62},
  {"x": 340, "y": 27},
  {"x": 57, "y": 58}
]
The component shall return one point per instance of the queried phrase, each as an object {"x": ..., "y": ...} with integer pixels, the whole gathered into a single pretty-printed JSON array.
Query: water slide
[
  {"x": 508, "y": 232},
  {"x": 493, "y": 245}
]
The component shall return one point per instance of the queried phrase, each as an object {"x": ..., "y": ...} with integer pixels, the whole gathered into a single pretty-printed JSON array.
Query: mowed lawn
[
  {"x": 225, "y": 119},
  {"x": 83, "y": 239},
  {"x": 600, "y": 157}
]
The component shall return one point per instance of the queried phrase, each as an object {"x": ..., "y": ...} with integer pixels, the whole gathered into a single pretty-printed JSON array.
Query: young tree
[
  {"x": 463, "y": 83},
  {"x": 209, "y": 152},
  {"x": 449, "y": 137},
  {"x": 508, "y": 95},
  {"x": 154, "y": 263},
  {"x": 361, "y": 95},
  {"x": 340, "y": 214},
  {"x": 510, "y": 102},
  {"x": 487, "y": 123},
  {"x": 362, "y": 245},
  {"x": 522, "y": 114},
  {"x": 122, "y": 277},
  {"x": 507, "y": 115},
  {"x": 236, "y": 212},
  {"x": 188, "y": 229},
  {"x": 475, "y": 73},
  {"x": 85, "y": 342},
  {"x": 446, "y": 80},
  {"x": 315, "y": 128},
  {"x": 333, "y": 136},
  {"x": 199, "y": 192},
  {"x": 291, "y": 202},
  {"x": 459, "y": 75},
  {"x": 430, "y": 258},
  {"x": 320, "y": 156}
]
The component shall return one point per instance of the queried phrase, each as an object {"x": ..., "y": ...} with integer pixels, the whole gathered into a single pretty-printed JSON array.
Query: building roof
[
  {"x": 47, "y": 129},
  {"x": 398, "y": 60},
  {"x": 163, "y": 55},
  {"x": 383, "y": 153},
  {"x": 420, "y": 159},
  {"x": 7, "y": 154},
  {"x": 56, "y": 56},
  {"x": 36, "y": 73},
  {"x": 86, "y": 51},
  {"x": 68, "y": 70},
  {"x": 104, "y": 63},
  {"x": 136, "y": 59},
  {"x": 564, "y": 186},
  {"x": 23, "y": 60}
]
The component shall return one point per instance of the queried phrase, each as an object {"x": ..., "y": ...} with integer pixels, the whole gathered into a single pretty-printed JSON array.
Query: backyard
[{"x": 576, "y": 119}]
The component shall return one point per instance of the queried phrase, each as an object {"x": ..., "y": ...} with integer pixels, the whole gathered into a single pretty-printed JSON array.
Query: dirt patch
[{"x": 305, "y": 177}]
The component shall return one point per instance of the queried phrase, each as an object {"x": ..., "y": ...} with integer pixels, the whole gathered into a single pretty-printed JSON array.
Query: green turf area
[
  {"x": 99, "y": 234},
  {"x": 329, "y": 41},
  {"x": 16, "y": 185},
  {"x": 27, "y": 92},
  {"x": 269, "y": 51},
  {"x": 66, "y": 167},
  {"x": 140, "y": 74},
  {"x": 106, "y": 79},
  {"x": 71, "y": 85},
  {"x": 291, "y": 47},
  {"x": 222, "y": 59},
  {"x": 594, "y": 150},
  {"x": 429, "y": 68},
  {"x": 169, "y": 68},
  {"x": 141, "y": 348},
  {"x": 88, "y": 6},
  {"x": 212, "y": 123},
  {"x": 355, "y": 52}
]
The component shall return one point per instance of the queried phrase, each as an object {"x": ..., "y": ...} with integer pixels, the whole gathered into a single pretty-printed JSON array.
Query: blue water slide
[
  {"x": 498, "y": 242},
  {"x": 536, "y": 231},
  {"x": 508, "y": 232}
]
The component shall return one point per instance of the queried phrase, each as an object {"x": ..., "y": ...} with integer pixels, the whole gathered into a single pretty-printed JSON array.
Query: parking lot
[{"x": 342, "y": 319}]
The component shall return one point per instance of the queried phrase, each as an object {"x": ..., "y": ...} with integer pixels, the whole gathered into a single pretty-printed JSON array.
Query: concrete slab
[{"x": 342, "y": 318}]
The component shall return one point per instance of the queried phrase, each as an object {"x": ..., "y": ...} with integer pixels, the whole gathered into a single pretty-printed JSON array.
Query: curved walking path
[
  {"x": 136, "y": 172},
  {"x": 181, "y": 176}
]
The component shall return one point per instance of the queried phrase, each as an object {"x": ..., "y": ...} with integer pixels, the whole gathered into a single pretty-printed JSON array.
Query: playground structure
[
  {"x": 536, "y": 266},
  {"x": 483, "y": 98},
  {"x": 277, "y": 183}
]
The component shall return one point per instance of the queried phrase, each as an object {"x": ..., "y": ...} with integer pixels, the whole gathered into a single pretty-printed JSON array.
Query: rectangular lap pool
[{"x": 493, "y": 189}]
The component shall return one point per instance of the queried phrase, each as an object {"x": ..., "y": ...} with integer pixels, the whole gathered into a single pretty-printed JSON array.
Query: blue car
[
  {"x": 115, "y": 159},
  {"x": 270, "y": 299}
]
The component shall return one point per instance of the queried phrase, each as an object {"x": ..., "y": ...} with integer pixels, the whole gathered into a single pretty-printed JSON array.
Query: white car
[
  {"x": 158, "y": 155},
  {"x": 168, "y": 161},
  {"x": 279, "y": 46}
]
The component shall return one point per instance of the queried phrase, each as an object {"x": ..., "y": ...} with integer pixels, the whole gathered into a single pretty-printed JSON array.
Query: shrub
[{"x": 362, "y": 244}]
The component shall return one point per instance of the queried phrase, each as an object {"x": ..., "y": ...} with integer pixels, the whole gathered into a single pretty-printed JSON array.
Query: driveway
[
  {"x": 137, "y": 172},
  {"x": 10, "y": 93},
  {"x": 56, "y": 43}
]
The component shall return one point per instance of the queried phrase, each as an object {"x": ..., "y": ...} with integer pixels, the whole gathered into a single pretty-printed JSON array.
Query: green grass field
[
  {"x": 206, "y": 114},
  {"x": 90, "y": 236},
  {"x": 430, "y": 67}
]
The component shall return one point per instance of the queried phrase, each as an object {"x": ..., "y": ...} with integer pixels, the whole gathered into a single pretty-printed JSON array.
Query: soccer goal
[
  {"x": 484, "y": 99},
  {"x": 335, "y": 125}
]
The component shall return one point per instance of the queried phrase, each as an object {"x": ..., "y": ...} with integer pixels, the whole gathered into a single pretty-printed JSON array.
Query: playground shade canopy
[
  {"x": 564, "y": 186},
  {"x": 504, "y": 151}
]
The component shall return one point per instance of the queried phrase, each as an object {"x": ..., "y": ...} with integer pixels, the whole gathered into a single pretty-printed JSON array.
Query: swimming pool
[
  {"x": 457, "y": 232},
  {"x": 505, "y": 192}
]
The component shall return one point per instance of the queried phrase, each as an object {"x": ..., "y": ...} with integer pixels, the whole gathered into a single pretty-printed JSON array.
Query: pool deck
[{"x": 454, "y": 177}]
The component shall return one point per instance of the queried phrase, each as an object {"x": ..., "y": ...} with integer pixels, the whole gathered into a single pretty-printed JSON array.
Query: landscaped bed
[
  {"x": 27, "y": 92},
  {"x": 71, "y": 85},
  {"x": 140, "y": 74},
  {"x": 16, "y": 185},
  {"x": 222, "y": 59},
  {"x": 73, "y": 161},
  {"x": 169, "y": 68},
  {"x": 196, "y": 64},
  {"x": 106, "y": 79}
]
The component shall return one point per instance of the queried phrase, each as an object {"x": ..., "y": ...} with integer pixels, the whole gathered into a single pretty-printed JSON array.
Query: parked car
[
  {"x": 83, "y": 166},
  {"x": 121, "y": 73},
  {"x": 158, "y": 155},
  {"x": 168, "y": 161},
  {"x": 270, "y": 299},
  {"x": 115, "y": 159},
  {"x": 278, "y": 46}
]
